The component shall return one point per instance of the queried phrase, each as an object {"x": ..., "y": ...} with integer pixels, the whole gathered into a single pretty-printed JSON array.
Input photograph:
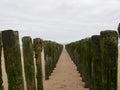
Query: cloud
[{"x": 59, "y": 20}]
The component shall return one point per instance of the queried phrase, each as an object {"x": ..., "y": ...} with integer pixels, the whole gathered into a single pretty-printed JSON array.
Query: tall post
[
  {"x": 12, "y": 56},
  {"x": 96, "y": 77},
  {"x": 38, "y": 49},
  {"x": 47, "y": 51},
  {"x": 1, "y": 81},
  {"x": 109, "y": 57},
  {"x": 29, "y": 62}
]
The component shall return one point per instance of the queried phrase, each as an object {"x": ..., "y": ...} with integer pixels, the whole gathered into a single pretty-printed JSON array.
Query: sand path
[{"x": 65, "y": 76}]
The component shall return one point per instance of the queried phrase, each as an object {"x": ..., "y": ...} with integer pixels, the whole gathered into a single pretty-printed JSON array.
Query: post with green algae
[
  {"x": 52, "y": 51},
  {"x": 87, "y": 60},
  {"x": 47, "y": 53},
  {"x": 11, "y": 47},
  {"x": 109, "y": 59},
  {"x": 29, "y": 62},
  {"x": 38, "y": 49},
  {"x": 1, "y": 81},
  {"x": 119, "y": 29},
  {"x": 84, "y": 60},
  {"x": 84, "y": 77},
  {"x": 96, "y": 76}
]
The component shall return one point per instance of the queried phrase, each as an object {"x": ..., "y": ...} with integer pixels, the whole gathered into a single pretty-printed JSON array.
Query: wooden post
[
  {"x": 38, "y": 49},
  {"x": 52, "y": 52},
  {"x": 96, "y": 77},
  {"x": 12, "y": 55},
  {"x": 29, "y": 62},
  {"x": 119, "y": 29},
  {"x": 47, "y": 51},
  {"x": 109, "y": 57},
  {"x": 1, "y": 81}
]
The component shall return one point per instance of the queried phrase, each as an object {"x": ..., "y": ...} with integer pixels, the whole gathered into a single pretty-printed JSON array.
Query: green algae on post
[
  {"x": 96, "y": 77},
  {"x": 1, "y": 81},
  {"x": 38, "y": 49},
  {"x": 52, "y": 51},
  {"x": 11, "y": 47},
  {"x": 29, "y": 62},
  {"x": 119, "y": 29},
  {"x": 109, "y": 59}
]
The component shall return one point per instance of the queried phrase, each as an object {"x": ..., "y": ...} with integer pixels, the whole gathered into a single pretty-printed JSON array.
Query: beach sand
[{"x": 65, "y": 76}]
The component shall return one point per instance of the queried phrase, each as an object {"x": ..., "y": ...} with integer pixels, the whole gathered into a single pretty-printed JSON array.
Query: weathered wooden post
[
  {"x": 96, "y": 77},
  {"x": 119, "y": 29},
  {"x": 82, "y": 59},
  {"x": 51, "y": 57},
  {"x": 12, "y": 55},
  {"x": 29, "y": 62},
  {"x": 47, "y": 51},
  {"x": 38, "y": 49},
  {"x": 1, "y": 81},
  {"x": 109, "y": 59},
  {"x": 52, "y": 52},
  {"x": 88, "y": 63},
  {"x": 78, "y": 55},
  {"x": 85, "y": 76}
]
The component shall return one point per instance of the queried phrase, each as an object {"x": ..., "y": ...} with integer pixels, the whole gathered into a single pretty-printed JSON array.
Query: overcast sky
[{"x": 59, "y": 20}]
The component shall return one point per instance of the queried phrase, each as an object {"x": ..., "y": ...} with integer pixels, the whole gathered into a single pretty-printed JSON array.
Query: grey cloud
[{"x": 59, "y": 20}]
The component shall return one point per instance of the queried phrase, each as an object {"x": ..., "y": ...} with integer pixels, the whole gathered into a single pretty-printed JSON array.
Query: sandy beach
[{"x": 65, "y": 76}]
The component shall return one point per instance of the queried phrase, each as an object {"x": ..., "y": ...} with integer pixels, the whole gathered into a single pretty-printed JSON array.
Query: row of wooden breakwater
[
  {"x": 96, "y": 59},
  {"x": 9, "y": 41}
]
